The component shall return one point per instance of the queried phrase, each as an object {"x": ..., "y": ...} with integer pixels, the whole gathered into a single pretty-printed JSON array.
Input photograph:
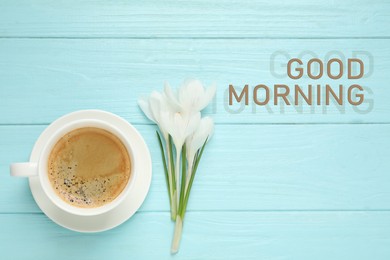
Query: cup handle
[{"x": 26, "y": 169}]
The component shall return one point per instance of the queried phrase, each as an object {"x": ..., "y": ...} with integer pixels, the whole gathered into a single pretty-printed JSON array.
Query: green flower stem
[
  {"x": 198, "y": 156},
  {"x": 173, "y": 179},
  {"x": 190, "y": 163},
  {"x": 183, "y": 177},
  {"x": 172, "y": 202},
  {"x": 184, "y": 196},
  {"x": 178, "y": 202},
  {"x": 188, "y": 177},
  {"x": 179, "y": 218},
  {"x": 177, "y": 172},
  {"x": 177, "y": 235}
]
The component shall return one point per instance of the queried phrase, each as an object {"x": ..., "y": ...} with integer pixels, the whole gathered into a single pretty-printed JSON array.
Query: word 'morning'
[{"x": 312, "y": 96}]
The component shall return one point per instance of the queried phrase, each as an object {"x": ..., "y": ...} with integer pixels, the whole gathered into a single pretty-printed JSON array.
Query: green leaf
[
  {"x": 163, "y": 157},
  {"x": 198, "y": 156},
  {"x": 183, "y": 177},
  {"x": 173, "y": 179},
  {"x": 170, "y": 147}
]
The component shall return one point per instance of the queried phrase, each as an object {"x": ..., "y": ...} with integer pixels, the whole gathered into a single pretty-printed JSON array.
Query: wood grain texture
[
  {"x": 276, "y": 183},
  {"x": 253, "y": 167},
  {"x": 208, "y": 235},
  {"x": 195, "y": 19},
  {"x": 43, "y": 79}
]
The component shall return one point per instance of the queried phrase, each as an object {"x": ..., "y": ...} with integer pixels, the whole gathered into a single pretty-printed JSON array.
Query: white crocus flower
[
  {"x": 177, "y": 114},
  {"x": 154, "y": 107},
  {"x": 195, "y": 142},
  {"x": 180, "y": 126},
  {"x": 191, "y": 97},
  {"x": 144, "y": 104},
  {"x": 157, "y": 108}
]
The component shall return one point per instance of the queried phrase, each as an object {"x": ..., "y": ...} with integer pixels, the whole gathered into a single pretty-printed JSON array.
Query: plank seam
[
  {"x": 197, "y": 38},
  {"x": 237, "y": 211},
  {"x": 232, "y": 123}
]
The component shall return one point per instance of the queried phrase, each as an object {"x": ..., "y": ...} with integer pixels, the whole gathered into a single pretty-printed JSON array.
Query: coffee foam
[{"x": 89, "y": 167}]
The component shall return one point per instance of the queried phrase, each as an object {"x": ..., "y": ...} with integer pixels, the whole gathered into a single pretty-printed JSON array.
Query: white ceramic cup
[{"x": 39, "y": 169}]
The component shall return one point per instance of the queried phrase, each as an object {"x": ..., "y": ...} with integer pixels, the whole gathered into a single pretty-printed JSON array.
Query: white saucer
[{"x": 129, "y": 205}]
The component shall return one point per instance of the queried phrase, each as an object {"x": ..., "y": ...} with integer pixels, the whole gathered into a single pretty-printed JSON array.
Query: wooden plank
[
  {"x": 208, "y": 235},
  {"x": 227, "y": 18},
  {"x": 41, "y": 80},
  {"x": 281, "y": 167}
]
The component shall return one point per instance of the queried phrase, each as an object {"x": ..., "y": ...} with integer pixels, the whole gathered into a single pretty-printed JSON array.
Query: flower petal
[
  {"x": 209, "y": 95},
  {"x": 155, "y": 103},
  {"x": 171, "y": 97},
  {"x": 193, "y": 124},
  {"x": 143, "y": 103},
  {"x": 197, "y": 139},
  {"x": 190, "y": 95},
  {"x": 193, "y": 97},
  {"x": 165, "y": 124}
]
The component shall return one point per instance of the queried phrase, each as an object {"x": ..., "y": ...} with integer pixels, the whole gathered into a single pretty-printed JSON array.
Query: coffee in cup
[{"x": 88, "y": 167}]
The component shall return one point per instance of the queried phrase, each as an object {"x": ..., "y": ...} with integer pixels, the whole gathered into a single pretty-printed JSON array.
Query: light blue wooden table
[{"x": 281, "y": 183}]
